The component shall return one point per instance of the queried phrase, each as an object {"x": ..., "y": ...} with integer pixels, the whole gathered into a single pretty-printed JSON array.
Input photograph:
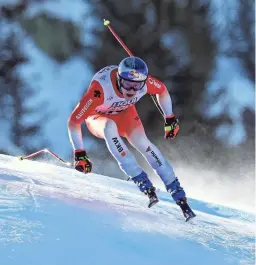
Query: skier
[{"x": 108, "y": 108}]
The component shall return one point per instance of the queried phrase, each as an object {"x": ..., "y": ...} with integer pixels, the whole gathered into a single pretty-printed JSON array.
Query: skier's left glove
[
  {"x": 82, "y": 162},
  {"x": 171, "y": 127}
]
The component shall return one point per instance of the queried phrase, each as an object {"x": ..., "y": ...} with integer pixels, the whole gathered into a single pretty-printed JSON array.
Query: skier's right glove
[{"x": 82, "y": 162}]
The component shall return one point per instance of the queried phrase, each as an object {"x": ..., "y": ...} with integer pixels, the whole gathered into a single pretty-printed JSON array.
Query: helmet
[{"x": 132, "y": 69}]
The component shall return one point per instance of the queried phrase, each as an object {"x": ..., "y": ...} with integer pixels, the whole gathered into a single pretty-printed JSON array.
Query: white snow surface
[
  {"x": 237, "y": 95},
  {"x": 56, "y": 215}
]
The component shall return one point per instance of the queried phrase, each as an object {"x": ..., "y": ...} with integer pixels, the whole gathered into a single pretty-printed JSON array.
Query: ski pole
[
  {"x": 107, "y": 24},
  {"x": 44, "y": 151}
]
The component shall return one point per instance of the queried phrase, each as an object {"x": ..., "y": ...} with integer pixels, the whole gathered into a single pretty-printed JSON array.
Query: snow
[
  {"x": 5, "y": 142},
  {"x": 9, "y": 2},
  {"x": 79, "y": 12},
  {"x": 224, "y": 16},
  {"x": 55, "y": 215},
  {"x": 74, "y": 10},
  {"x": 237, "y": 95},
  {"x": 229, "y": 77},
  {"x": 59, "y": 85},
  {"x": 176, "y": 42}
]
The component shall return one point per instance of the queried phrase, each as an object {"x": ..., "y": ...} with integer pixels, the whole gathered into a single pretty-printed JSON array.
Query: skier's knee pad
[
  {"x": 142, "y": 181},
  {"x": 176, "y": 190}
]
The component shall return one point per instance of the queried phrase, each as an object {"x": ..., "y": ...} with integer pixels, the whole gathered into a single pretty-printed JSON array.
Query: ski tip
[
  {"x": 190, "y": 217},
  {"x": 152, "y": 203},
  {"x": 20, "y": 157}
]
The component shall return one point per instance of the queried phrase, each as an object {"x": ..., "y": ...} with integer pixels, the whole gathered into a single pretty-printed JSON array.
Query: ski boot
[
  {"x": 187, "y": 212},
  {"x": 146, "y": 186},
  {"x": 179, "y": 196},
  {"x": 151, "y": 192}
]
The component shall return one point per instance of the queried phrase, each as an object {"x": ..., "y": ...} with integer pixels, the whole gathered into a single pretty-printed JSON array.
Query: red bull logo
[{"x": 133, "y": 74}]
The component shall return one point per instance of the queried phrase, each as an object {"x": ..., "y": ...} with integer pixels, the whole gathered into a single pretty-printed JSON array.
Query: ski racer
[{"x": 108, "y": 109}]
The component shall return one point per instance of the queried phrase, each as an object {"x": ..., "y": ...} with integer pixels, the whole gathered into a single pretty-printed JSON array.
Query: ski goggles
[{"x": 131, "y": 85}]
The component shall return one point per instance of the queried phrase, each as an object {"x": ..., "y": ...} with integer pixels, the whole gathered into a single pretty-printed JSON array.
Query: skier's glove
[
  {"x": 82, "y": 162},
  {"x": 171, "y": 127}
]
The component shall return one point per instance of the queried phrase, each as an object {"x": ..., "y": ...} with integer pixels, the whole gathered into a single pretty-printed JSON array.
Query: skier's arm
[
  {"x": 91, "y": 99},
  {"x": 156, "y": 87}
]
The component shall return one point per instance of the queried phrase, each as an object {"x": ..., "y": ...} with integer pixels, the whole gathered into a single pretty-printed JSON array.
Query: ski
[{"x": 152, "y": 202}]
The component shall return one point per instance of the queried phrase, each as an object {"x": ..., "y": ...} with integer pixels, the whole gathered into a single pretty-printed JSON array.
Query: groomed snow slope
[{"x": 52, "y": 215}]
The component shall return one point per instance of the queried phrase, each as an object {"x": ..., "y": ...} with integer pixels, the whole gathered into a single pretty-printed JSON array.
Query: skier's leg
[
  {"x": 161, "y": 166},
  {"x": 106, "y": 128}
]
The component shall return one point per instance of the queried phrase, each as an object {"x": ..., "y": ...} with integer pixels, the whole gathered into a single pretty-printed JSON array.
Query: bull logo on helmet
[{"x": 133, "y": 74}]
